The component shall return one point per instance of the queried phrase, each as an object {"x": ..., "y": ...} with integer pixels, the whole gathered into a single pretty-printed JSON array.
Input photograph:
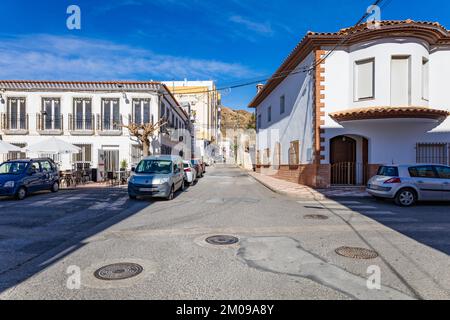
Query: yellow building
[{"x": 204, "y": 101}]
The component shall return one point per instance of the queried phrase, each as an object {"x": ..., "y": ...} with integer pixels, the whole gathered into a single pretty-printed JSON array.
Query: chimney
[{"x": 259, "y": 87}]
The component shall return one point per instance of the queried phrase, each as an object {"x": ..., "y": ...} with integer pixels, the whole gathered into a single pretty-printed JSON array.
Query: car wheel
[
  {"x": 55, "y": 187},
  {"x": 183, "y": 186},
  {"x": 171, "y": 194},
  {"x": 406, "y": 198},
  {"x": 21, "y": 193}
]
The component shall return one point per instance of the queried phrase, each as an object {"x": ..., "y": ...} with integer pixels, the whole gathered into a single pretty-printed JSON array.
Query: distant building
[
  {"x": 88, "y": 115},
  {"x": 204, "y": 102}
]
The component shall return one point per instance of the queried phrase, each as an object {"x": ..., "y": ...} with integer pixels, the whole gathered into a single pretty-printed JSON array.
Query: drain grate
[
  {"x": 316, "y": 217},
  {"x": 222, "y": 240},
  {"x": 118, "y": 271},
  {"x": 356, "y": 253}
]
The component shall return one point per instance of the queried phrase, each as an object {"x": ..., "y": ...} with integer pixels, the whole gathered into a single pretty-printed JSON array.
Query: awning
[{"x": 390, "y": 113}]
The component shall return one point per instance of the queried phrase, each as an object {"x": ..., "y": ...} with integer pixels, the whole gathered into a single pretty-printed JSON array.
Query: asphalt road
[{"x": 280, "y": 255}]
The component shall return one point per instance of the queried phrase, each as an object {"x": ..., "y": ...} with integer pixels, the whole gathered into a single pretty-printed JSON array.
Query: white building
[
  {"x": 89, "y": 115},
  {"x": 381, "y": 97},
  {"x": 204, "y": 101}
]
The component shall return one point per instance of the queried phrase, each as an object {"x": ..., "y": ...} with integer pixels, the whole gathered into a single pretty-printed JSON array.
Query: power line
[{"x": 286, "y": 73}]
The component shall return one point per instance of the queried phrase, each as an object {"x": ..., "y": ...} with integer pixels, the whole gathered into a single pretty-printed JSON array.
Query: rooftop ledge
[{"x": 372, "y": 113}]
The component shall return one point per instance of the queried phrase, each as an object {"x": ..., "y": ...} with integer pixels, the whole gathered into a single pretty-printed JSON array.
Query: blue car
[{"x": 18, "y": 178}]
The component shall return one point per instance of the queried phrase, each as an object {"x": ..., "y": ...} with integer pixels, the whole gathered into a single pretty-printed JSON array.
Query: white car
[{"x": 190, "y": 174}]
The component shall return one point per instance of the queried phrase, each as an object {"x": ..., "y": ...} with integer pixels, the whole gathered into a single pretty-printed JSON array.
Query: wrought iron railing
[
  {"x": 77, "y": 123},
  {"x": 14, "y": 122},
  {"x": 113, "y": 123},
  {"x": 49, "y": 123},
  {"x": 349, "y": 173}
]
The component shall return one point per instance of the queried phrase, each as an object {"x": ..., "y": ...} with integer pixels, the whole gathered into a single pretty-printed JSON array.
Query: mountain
[{"x": 232, "y": 119}]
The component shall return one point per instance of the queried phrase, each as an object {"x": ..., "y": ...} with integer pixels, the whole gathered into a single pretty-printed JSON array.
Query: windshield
[
  {"x": 154, "y": 167},
  {"x": 388, "y": 171},
  {"x": 13, "y": 167},
  {"x": 186, "y": 165}
]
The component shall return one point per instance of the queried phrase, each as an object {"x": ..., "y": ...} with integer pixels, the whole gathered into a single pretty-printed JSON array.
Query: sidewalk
[{"x": 304, "y": 192}]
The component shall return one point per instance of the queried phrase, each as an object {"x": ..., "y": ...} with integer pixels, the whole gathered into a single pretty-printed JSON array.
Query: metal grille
[
  {"x": 348, "y": 173},
  {"x": 85, "y": 154},
  {"x": 434, "y": 153}
]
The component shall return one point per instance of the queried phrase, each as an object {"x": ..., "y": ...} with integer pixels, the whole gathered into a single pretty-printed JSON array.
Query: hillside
[{"x": 236, "y": 119}]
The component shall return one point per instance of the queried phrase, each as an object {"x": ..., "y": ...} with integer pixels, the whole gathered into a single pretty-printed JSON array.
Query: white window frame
[
  {"x": 19, "y": 116},
  {"x": 54, "y": 116},
  {"x": 356, "y": 80},
  {"x": 141, "y": 102}
]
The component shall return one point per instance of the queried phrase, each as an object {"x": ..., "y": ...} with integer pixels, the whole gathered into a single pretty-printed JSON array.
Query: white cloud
[
  {"x": 72, "y": 58},
  {"x": 262, "y": 28}
]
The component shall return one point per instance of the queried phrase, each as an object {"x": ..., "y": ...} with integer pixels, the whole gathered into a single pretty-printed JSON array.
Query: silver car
[
  {"x": 407, "y": 184},
  {"x": 157, "y": 176}
]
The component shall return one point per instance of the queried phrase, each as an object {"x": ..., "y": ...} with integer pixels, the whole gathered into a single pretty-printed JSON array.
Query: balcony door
[
  {"x": 51, "y": 113},
  {"x": 141, "y": 111},
  {"x": 110, "y": 114},
  {"x": 83, "y": 114},
  {"x": 16, "y": 114}
]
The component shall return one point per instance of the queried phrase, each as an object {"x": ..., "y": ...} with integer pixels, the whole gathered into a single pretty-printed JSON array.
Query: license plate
[{"x": 147, "y": 189}]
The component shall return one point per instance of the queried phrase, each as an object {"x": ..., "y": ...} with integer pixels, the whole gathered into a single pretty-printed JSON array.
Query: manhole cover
[
  {"x": 356, "y": 253},
  {"x": 315, "y": 217},
  {"x": 222, "y": 240},
  {"x": 118, "y": 271}
]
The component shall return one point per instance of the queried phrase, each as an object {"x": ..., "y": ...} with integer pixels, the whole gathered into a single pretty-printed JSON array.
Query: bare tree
[{"x": 144, "y": 133}]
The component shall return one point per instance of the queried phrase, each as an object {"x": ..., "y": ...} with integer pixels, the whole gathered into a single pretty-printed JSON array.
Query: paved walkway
[{"x": 304, "y": 192}]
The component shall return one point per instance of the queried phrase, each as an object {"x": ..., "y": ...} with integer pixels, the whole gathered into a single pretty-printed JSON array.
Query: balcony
[
  {"x": 14, "y": 124},
  {"x": 81, "y": 126},
  {"x": 49, "y": 125},
  {"x": 109, "y": 126}
]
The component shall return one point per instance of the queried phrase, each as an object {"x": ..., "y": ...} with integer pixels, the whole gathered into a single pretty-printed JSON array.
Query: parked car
[
  {"x": 407, "y": 184},
  {"x": 190, "y": 174},
  {"x": 157, "y": 176},
  {"x": 19, "y": 178},
  {"x": 199, "y": 167}
]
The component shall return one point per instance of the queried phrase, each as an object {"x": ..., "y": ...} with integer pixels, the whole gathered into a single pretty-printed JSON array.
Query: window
[
  {"x": 443, "y": 172},
  {"x": 294, "y": 155},
  {"x": 162, "y": 110},
  {"x": 51, "y": 114},
  {"x": 47, "y": 166},
  {"x": 83, "y": 114},
  {"x": 386, "y": 171},
  {"x": 400, "y": 81},
  {"x": 15, "y": 155},
  {"x": 425, "y": 78},
  {"x": 16, "y": 114},
  {"x": 422, "y": 172},
  {"x": 364, "y": 79},
  {"x": 269, "y": 114},
  {"x": 85, "y": 154},
  {"x": 141, "y": 111},
  {"x": 282, "y": 104},
  {"x": 110, "y": 114},
  {"x": 259, "y": 121},
  {"x": 435, "y": 153}
]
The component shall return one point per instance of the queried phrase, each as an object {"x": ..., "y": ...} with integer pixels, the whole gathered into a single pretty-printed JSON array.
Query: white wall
[
  {"x": 122, "y": 143},
  {"x": 389, "y": 140},
  {"x": 297, "y": 121}
]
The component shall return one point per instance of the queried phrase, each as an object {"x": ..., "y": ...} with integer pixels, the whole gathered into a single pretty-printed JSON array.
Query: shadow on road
[{"x": 44, "y": 228}]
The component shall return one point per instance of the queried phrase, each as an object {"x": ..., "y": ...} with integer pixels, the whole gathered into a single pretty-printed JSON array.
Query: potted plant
[{"x": 123, "y": 165}]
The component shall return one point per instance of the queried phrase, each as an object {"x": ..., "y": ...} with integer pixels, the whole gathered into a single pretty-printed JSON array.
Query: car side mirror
[{"x": 133, "y": 169}]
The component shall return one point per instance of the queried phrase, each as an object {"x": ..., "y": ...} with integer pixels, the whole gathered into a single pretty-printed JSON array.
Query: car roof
[
  {"x": 164, "y": 157},
  {"x": 29, "y": 160},
  {"x": 413, "y": 165}
]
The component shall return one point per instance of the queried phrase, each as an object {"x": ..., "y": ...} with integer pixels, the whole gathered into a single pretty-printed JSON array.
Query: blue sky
[{"x": 230, "y": 41}]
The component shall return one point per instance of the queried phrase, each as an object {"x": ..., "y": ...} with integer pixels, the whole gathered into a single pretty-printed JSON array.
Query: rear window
[{"x": 388, "y": 171}]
